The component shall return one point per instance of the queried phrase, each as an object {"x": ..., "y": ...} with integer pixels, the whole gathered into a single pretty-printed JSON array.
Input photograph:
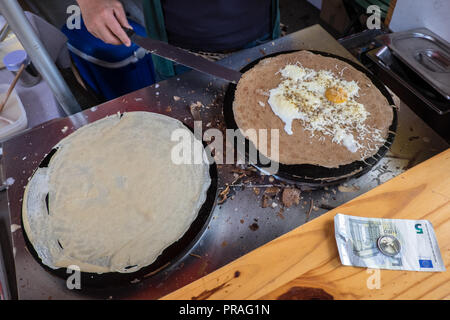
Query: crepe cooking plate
[
  {"x": 170, "y": 256},
  {"x": 307, "y": 174}
]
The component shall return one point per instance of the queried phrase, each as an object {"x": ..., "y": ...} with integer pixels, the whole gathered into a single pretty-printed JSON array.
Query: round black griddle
[
  {"x": 307, "y": 174},
  {"x": 170, "y": 256}
]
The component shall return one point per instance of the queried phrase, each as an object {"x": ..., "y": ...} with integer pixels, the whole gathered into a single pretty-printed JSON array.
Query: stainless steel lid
[{"x": 424, "y": 52}]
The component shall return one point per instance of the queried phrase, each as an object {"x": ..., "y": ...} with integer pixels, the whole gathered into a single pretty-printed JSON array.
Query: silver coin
[{"x": 389, "y": 245}]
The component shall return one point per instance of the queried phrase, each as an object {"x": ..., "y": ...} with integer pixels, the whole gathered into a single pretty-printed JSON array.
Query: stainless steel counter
[{"x": 240, "y": 224}]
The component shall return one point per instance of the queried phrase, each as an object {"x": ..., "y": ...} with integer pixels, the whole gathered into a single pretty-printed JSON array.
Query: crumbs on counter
[
  {"x": 15, "y": 227},
  {"x": 254, "y": 226},
  {"x": 345, "y": 188},
  {"x": 290, "y": 197}
]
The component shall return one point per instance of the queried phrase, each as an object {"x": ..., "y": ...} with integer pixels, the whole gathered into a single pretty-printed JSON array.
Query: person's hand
[{"x": 105, "y": 19}]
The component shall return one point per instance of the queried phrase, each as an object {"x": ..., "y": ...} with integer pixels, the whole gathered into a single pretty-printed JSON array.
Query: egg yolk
[{"x": 336, "y": 95}]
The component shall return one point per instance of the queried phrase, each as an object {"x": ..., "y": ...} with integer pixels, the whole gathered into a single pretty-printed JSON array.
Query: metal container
[
  {"x": 424, "y": 52},
  {"x": 421, "y": 97}
]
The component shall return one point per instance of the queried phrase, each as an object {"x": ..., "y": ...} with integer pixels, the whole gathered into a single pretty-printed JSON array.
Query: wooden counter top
[{"x": 304, "y": 263}]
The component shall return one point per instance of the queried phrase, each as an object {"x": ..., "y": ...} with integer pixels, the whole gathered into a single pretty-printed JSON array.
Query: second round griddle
[
  {"x": 307, "y": 174},
  {"x": 170, "y": 256}
]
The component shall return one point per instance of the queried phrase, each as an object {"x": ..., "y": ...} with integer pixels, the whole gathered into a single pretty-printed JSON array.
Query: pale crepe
[{"x": 116, "y": 200}]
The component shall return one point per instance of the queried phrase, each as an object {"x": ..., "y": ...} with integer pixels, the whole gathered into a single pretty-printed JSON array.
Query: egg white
[{"x": 301, "y": 96}]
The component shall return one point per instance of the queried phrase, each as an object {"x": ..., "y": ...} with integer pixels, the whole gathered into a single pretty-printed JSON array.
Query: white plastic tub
[{"x": 13, "y": 118}]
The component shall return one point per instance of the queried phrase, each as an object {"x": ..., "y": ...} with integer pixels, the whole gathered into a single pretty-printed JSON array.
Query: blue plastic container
[{"x": 111, "y": 71}]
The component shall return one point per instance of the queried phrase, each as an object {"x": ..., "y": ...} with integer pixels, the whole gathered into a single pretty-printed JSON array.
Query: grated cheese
[{"x": 301, "y": 95}]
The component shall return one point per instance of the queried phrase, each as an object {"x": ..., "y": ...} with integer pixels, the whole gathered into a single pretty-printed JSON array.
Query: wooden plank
[
  {"x": 390, "y": 12},
  {"x": 333, "y": 12},
  {"x": 307, "y": 257}
]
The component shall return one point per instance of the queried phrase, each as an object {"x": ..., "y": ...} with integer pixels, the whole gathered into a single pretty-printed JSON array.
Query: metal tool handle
[{"x": 130, "y": 32}]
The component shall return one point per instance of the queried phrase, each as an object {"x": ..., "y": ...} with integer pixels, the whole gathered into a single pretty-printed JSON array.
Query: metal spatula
[{"x": 184, "y": 57}]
